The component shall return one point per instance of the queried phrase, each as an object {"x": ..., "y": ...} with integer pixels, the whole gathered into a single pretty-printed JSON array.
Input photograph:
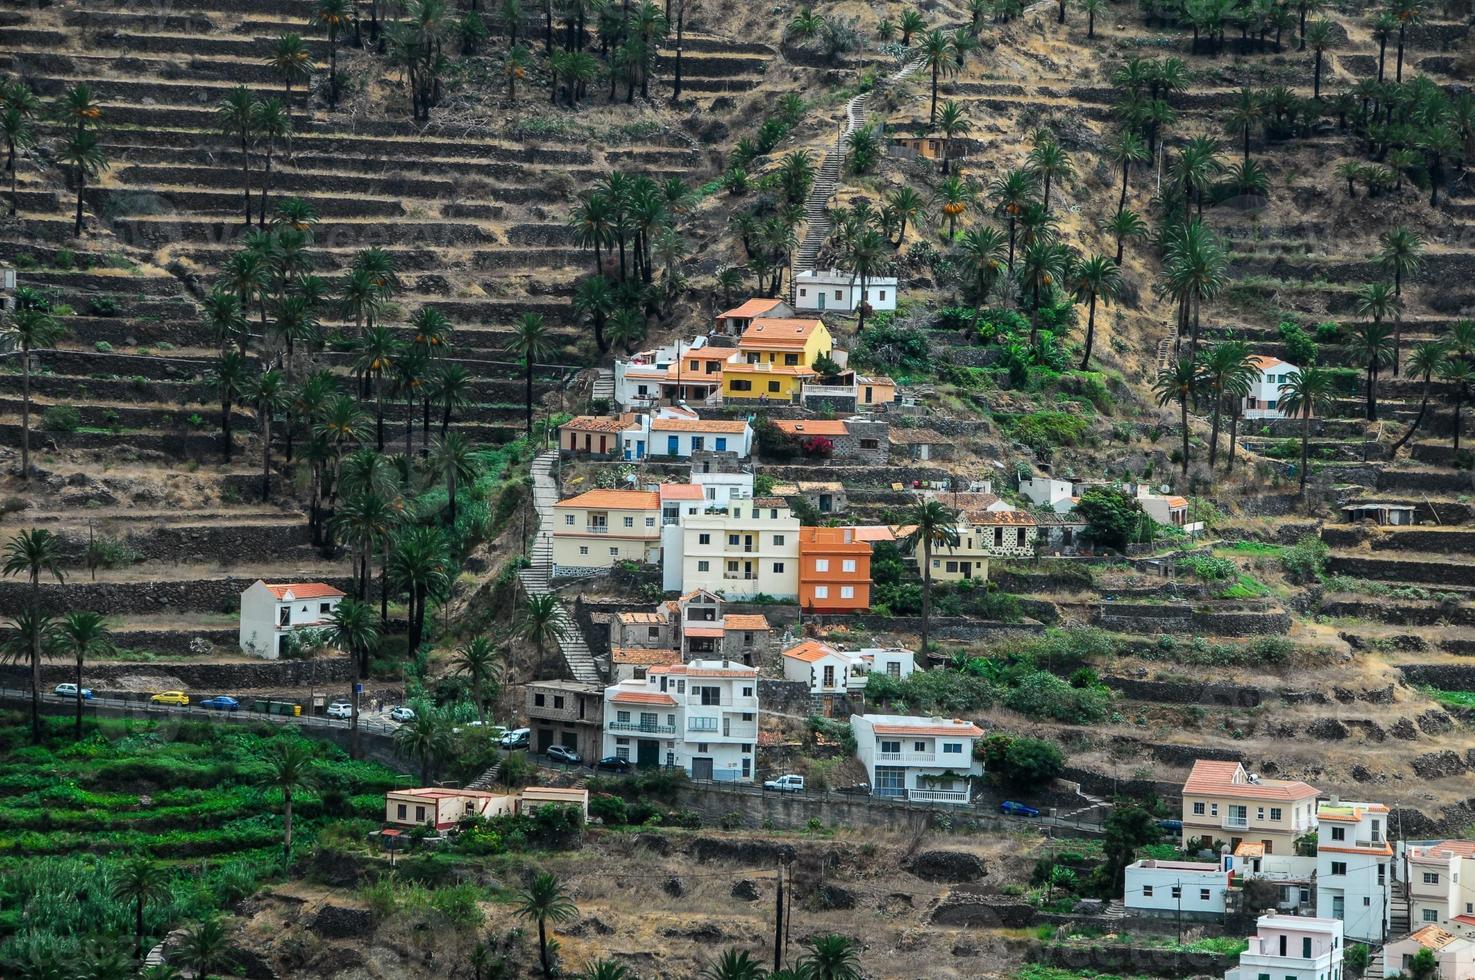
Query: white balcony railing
[
  {"x": 911, "y": 758},
  {"x": 596, "y": 528},
  {"x": 938, "y": 795},
  {"x": 1236, "y": 823}
]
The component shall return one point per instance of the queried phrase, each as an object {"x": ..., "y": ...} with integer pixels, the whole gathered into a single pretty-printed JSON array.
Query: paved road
[{"x": 378, "y": 724}]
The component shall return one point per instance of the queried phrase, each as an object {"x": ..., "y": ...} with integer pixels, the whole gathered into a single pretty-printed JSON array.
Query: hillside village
[{"x": 953, "y": 489}]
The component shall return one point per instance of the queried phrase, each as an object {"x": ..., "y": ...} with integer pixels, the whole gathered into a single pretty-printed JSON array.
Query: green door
[{"x": 647, "y": 753}]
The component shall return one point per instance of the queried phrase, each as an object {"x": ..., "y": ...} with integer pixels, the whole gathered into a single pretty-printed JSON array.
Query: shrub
[
  {"x": 1208, "y": 568},
  {"x": 1031, "y": 762},
  {"x": 609, "y": 810},
  {"x": 1043, "y": 695},
  {"x": 1305, "y": 561},
  {"x": 1300, "y": 348},
  {"x": 103, "y": 347},
  {"x": 61, "y": 418},
  {"x": 1111, "y": 516},
  {"x": 1043, "y": 431}
]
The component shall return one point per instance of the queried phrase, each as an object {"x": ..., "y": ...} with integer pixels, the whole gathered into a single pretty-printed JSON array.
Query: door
[
  {"x": 701, "y": 768},
  {"x": 647, "y": 753},
  {"x": 639, "y": 448},
  {"x": 569, "y": 740},
  {"x": 821, "y": 299},
  {"x": 545, "y": 739}
]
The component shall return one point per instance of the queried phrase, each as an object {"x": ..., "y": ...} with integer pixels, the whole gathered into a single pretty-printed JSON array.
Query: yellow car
[{"x": 170, "y": 697}]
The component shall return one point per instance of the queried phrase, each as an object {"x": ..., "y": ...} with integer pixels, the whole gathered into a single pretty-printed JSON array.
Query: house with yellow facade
[
  {"x": 774, "y": 358},
  {"x": 596, "y": 529},
  {"x": 1222, "y": 801}
]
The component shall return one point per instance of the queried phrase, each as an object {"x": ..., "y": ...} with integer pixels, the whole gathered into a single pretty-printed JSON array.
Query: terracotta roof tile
[
  {"x": 810, "y": 651},
  {"x": 696, "y": 425},
  {"x": 305, "y": 590},
  {"x": 926, "y": 727},
  {"x": 788, "y": 334},
  {"x": 617, "y": 499},
  {"x": 641, "y": 618},
  {"x": 643, "y": 656},
  {"x": 812, "y": 427},
  {"x": 755, "y": 307},
  {"x": 599, "y": 423},
  {"x": 745, "y": 621},
  {"x": 1212, "y": 777},
  {"x": 643, "y": 697},
  {"x": 680, "y": 491}
]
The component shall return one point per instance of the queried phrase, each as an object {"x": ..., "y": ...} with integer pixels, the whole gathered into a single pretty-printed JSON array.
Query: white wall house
[
  {"x": 700, "y": 716},
  {"x": 1168, "y": 509},
  {"x": 1354, "y": 868},
  {"x": 678, "y": 434},
  {"x": 837, "y": 290},
  {"x": 748, "y": 547},
  {"x": 270, "y": 613},
  {"x": 1042, "y": 491},
  {"x": 659, "y": 376},
  {"x": 925, "y": 759},
  {"x": 1441, "y": 883},
  {"x": 1263, "y": 401},
  {"x": 1291, "y": 947},
  {"x": 1454, "y": 955},
  {"x": 894, "y": 662},
  {"x": 1191, "y": 889},
  {"x": 828, "y": 670}
]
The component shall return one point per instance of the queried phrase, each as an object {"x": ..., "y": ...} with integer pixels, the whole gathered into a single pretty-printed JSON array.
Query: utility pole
[{"x": 778, "y": 923}]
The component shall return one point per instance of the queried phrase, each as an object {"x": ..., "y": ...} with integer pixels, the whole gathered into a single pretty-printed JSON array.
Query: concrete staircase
[
  {"x": 1165, "y": 348},
  {"x": 1375, "y": 964},
  {"x": 1094, "y": 811},
  {"x": 536, "y": 577},
  {"x": 1400, "y": 920},
  {"x": 487, "y": 779},
  {"x": 604, "y": 386},
  {"x": 1115, "y": 909},
  {"x": 817, "y": 224}
]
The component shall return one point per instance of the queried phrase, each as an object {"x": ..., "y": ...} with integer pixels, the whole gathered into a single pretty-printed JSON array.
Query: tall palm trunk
[
  {"x": 265, "y": 456},
  {"x": 79, "y": 696},
  {"x": 529, "y": 394},
  {"x": 1305, "y": 444},
  {"x": 36, "y": 651},
  {"x": 225, "y": 428},
  {"x": 1214, "y": 434},
  {"x": 81, "y": 186},
  {"x": 1090, "y": 332},
  {"x": 1183, "y": 418},
  {"x": 286, "y": 827},
  {"x": 1423, "y": 406},
  {"x": 25, "y": 412},
  {"x": 926, "y": 591}
]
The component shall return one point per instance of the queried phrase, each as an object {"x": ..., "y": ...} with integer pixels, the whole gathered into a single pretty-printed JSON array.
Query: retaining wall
[
  {"x": 212, "y": 677},
  {"x": 116, "y": 598}
]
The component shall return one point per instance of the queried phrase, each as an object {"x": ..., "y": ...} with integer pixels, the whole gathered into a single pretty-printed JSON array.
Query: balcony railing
[
  {"x": 914, "y": 758},
  {"x": 1236, "y": 823},
  {"x": 596, "y": 528},
  {"x": 739, "y": 577},
  {"x": 641, "y": 728},
  {"x": 938, "y": 795}
]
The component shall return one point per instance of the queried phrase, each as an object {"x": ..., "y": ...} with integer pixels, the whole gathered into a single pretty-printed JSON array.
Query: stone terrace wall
[
  {"x": 115, "y": 598},
  {"x": 197, "y": 676}
]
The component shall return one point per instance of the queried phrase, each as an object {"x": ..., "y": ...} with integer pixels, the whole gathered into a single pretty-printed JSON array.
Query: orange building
[{"x": 834, "y": 570}]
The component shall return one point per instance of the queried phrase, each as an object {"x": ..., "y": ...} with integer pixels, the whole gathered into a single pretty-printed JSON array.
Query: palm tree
[
  {"x": 420, "y": 563},
  {"x": 450, "y": 388},
  {"x": 734, "y": 964},
  {"x": 1228, "y": 373},
  {"x": 292, "y": 61},
  {"x": 905, "y": 204},
  {"x": 425, "y": 738},
  {"x": 1013, "y": 190},
  {"x": 78, "y": 105},
  {"x": 1042, "y": 264},
  {"x": 1124, "y": 225},
  {"x": 1371, "y": 345},
  {"x": 85, "y": 156},
  {"x": 1319, "y": 37},
  {"x": 1426, "y": 360},
  {"x": 1459, "y": 374},
  {"x": 1048, "y": 162},
  {"x": 35, "y": 553},
  {"x": 29, "y": 328},
  {"x": 289, "y": 769},
  {"x": 139, "y": 882},
  {"x": 1401, "y": 254},
  {"x": 984, "y": 248},
  {"x": 451, "y": 457},
  {"x": 540, "y": 624},
  {"x": 1406, "y": 12},
  {"x": 478, "y": 659},
  {"x": 1195, "y": 271},
  {"x": 1179, "y": 383},
  {"x": 18, "y": 108},
  {"x": 273, "y": 122},
  {"x": 229, "y": 379},
  {"x": 514, "y": 67},
  {"x": 1092, "y": 8},
  {"x": 531, "y": 341},
  {"x": 911, "y": 22},
  {"x": 351, "y": 629},
  {"x": 831, "y": 957},
  {"x": 83, "y": 635},
  {"x": 545, "y": 900},
  {"x": 267, "y": 393},
  {"x": 334, "y": 16},
  {"x": 952, "y": 123},
  {"x": 938, "y": 58},
  {"x": 1244, "y": 112},
  {"x": 236, "y": 117},
  {"x": 1195, "y": 168},
  {"x": 954, "y": 195},
  {"x": 1095, "y": 278},
  {"x": 378, "y": 350},
  {"x": 1307, "y": 393},
  {"x": 605, "y": 970},
  {"x": 204, "y": 948},
  {"x": 933, "y": 525},
  {"x": 864, "y": 254},
  {"x": 1126, "y": 149}
]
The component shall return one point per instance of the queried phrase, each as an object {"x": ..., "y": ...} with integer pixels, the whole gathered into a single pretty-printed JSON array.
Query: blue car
[
  {"x": 220, "y": 703},
  {"x": 1018, "y": 809},
  {"x": 1171, "y": 826}
]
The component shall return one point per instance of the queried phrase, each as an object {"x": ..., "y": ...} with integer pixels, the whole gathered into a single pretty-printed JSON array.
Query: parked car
[
  {"x": 340, "y": 709},
  {"x": 170, "y": 697},
  {"x": 557, "y": 753},
  {"x": 785, "y": 784},
  {"x": 1018, "y": 809},
  {"x": 221, "y": 702},
  {"x": 401, "y": 713},
  {"x": 613, "y": 763},
  {"x": 857, "y": 789},
  {"x": 518, "y": 738},
  {"x": 1171, "y": 826},
  {"x": 70, "y": 691}
]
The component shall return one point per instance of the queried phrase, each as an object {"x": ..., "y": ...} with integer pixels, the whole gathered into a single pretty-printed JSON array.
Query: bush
[
  {"x": 103, "y": 347},
  {"x": 61, "y": 418},
  {"x": 1043, "y": 431},
  {"x": 1112, "y": 516},
  {"x": 1300, "y": 348},
  {"x": 1023, "y": 762},
  {"x": 1305, "y": 561},
  {"x": 103, "y": 306},
  {"x": 609, "y": 810},
  {"x": 1043, "y": 695},
  {"x": 1208, "y": 568}
]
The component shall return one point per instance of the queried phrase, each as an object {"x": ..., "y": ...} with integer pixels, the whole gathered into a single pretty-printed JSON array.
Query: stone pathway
[{"x": 536, "y": 577}]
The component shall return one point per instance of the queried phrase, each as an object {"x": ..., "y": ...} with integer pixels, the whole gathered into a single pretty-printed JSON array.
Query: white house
[
  {"x": 839, "y": 291},
  {"x": 924, "y": 759},
  {"x": 270, "y": 613},
  {"x": 1191, "y": 889},
  {"x": 679, "y": 433},
  {"x": 1263, "y": 400},
  {"x": 746, "y": 548},
  {"x": 1042, "y": 491},
  {"x": 1441, "y": 882},
  {"x": 1454, "y": 955},
  {"x": 828, "y": 670},
  {"x": 1168, "y": 509},
  {"x": 1354, "y": 868},
  {"x": 686, "y": 371},
  {"x": 700, "y": 716},
  {"x": 894, "y": 662},
  {"x": 1291, "y": 947}
]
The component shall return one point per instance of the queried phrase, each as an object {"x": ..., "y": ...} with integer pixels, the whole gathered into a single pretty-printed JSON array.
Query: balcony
[
  {"x": 739, "y": 577},
  {"x": 640, "y": 728},
  {"x": 1236, "y": 823},
  {"x": 938, "y": 795},
  {"x": 596, "y": 528},
  {"x": 1376, "y": 841},
  {"x": 910, "y": 758}
]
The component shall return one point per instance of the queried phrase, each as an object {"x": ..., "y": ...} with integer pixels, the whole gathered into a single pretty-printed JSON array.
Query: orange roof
[
  {"x": 305, "y": 590},
  {"x": 707, "y": 631},
  {"x": 1177, "y": 501},
  {"x": 721, "y": 671},
  {"x": 752, "y": 308},
  {"x": 1464, "y": 848},
  {"x": 645, "y": 618},
  {"x": 1383, "y": 850},
  {"x": 1250, "y": 849},
  {"x": 1265, "y": 362},
  {"x": 618, "y": 499},
  {"x": 1434, "y": 937},
  {"x": 874, "y": 532},
  {"x": 927, "y": 728},
  {"x": 811, "y": 427},
  {"x": 599, "y": 423},
  {"x": 784, "y": 334},
  {"x": 1012, "y": 518},
  {"x": 696, "y": 425},
  {"x": 644, "y": 697},
  {"x": 832, "y": 539},
  {"x": 1211, "y": 777},
  {"x": 810, "y": 651},
  {"x": 680, "y": 491},
  {"x": 745, "y": 621},
  {"x": 644, "y": 656}
]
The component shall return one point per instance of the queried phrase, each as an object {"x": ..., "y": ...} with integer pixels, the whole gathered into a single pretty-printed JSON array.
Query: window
[
  {"x": 704, "y": 566},
  {"x": 870, "y": 444},
  {"x": 1305, "y": 947},
  {"x": 1146, "y": 891},
  {"x": 622, "y": 716},
  {"x": 741, "y": 384},
  {"x": 583, "y": 549},
  {"x": 821, "y": 591},
  {"x": 324, "y": 608},
  {"x": 1431, "y": 878},
  {"x": 721, "y": 446},
  {"x": 821, "y": 564},
  {"x": 747, "y": 692},
  {"x": 653, "y": 633},
  {"x": 557, "y": 701},
  {"x": 1213, "y": 809},
  {"x": 778, "y": 540},
  {"x": 1431, "y": 915},
  {"x": 698, "y": 443},
  {"x": 847, "y": 565},
  {"x": 1177, "y": 891},
  {"x": 919, "y": 746},
  {"x": 629, "y": 522},
  {"x": 733, "y": 540},
  {"x": 890, "y": 747},
  {"x": 791, "y": 360},
  {"x": 401, "y": 810},
  {"x": 1275, "y": 813},
  {"x": 778, "y": 568},
  {"x": 704, "y": 539},
  {"x": 1339, "y": 833},
  {"x": 803, "y": 293},
  {"x": 568, "y": 519},
  {"x": 772, "y": 513},
  {"x": 1339, "y": 867},
  {"x": 650, "y": 522},
  {"x": 1198, "y": 809},
  {"x": 614, "y": 550},
  {"x": 952, "y": 566},
  {"x": 881, "y": 296},
  {"x": 538, "y": 700},
  {"x": 1203, "y": 894},
  {"x": 838, "y": 295},
  {"x": 847, "y": 592},
  {"x": 952, "y": 748},
  {"x": 1260, "y": 813},
  {"x": 773, "y": 386}
]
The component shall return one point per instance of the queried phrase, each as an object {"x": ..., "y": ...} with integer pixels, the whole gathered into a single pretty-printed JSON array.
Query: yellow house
[
  {"x": 596, "y": 529},
  {"x": 774, "y": 358},
  {"x": 1221, "y": 801}
]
